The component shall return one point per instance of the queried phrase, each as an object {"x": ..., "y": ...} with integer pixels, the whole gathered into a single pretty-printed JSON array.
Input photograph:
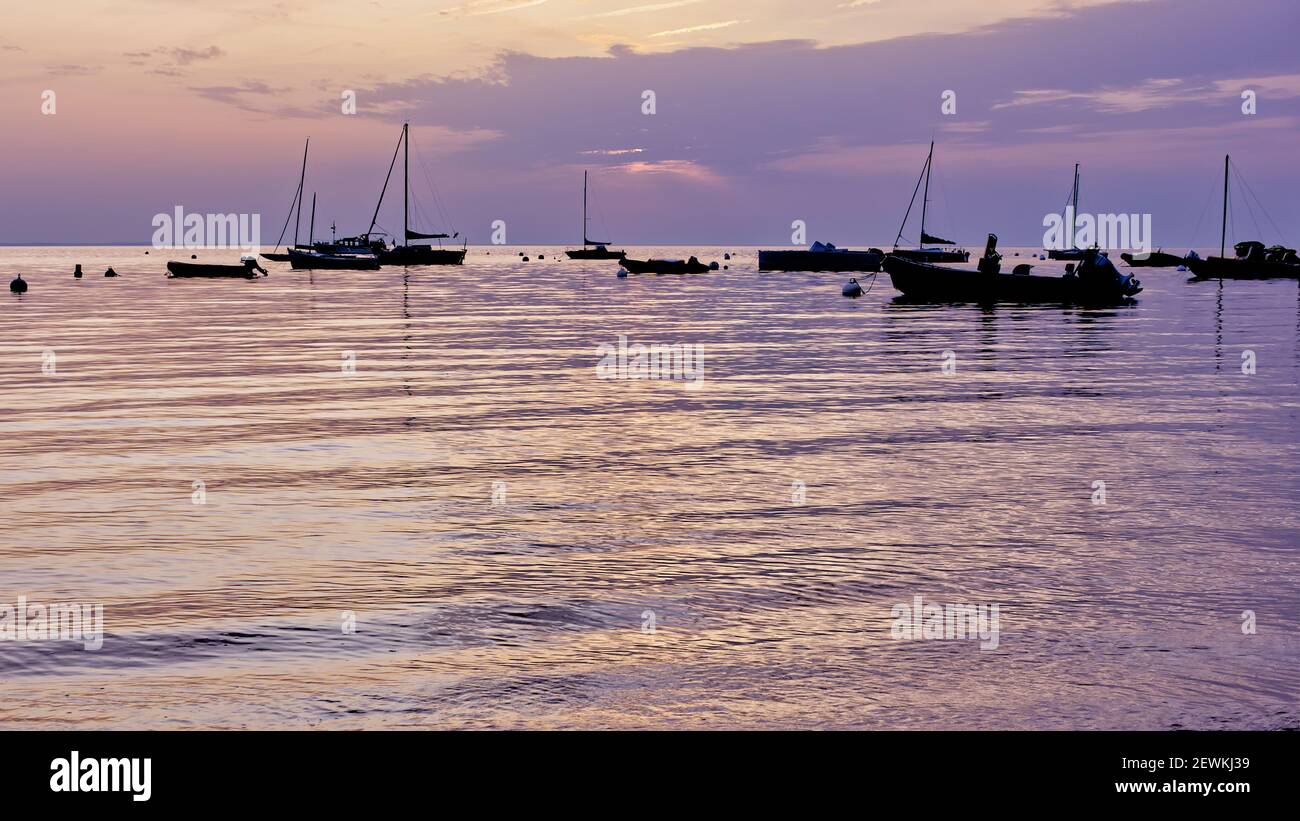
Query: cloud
[
  {"x": 701, "y": 27},
  {"x": 649, "y": 7}
]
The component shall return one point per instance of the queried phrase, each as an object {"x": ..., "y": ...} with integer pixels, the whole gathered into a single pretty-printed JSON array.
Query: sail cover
[
  {"x": 586, "y": 241},
  {"x": 417, "y": 235},
  {"x": 933, "y": 240}
]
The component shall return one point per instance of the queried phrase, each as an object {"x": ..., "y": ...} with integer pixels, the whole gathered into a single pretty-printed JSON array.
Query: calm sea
[{"x": 475, "y": 530}]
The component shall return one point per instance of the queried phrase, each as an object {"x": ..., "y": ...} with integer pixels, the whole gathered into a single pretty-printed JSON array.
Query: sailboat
[
  {"x": 1252, "y": 260},
  {"x": 1071, "y": 214},
  {"x": 921, "y": 253},
  {"x": 600, "y": 251},
  {"x": 405, "y": 253},
  {"x": 274, "y": 256},
  {"x": 328, "y": 254}
]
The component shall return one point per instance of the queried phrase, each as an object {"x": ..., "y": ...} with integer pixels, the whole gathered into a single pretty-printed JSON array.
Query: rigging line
[
  {"x": 1242, "y": 179},
  {"x": 296, "y": 192},
  {"x": 1249, "y": 210},
  {"x": 1196, "y": 232},
  {"x": 908, "y": 213}
]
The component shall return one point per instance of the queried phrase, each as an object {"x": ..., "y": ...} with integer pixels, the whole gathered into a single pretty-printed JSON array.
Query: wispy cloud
[
  {"x": 649, "y": 7},
  {"x": 703, "y": 27}
]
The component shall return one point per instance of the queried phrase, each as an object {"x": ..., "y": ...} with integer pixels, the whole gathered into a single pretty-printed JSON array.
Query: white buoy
[{"x": 851, "y": 288}]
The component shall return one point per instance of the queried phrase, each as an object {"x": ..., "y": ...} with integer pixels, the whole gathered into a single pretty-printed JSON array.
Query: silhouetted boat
[
  {"x": 295, "y": 210},
  {"x": 600, "y": 251},
  {"x": 246, "y": 269},
  {"x": 1071, "y": 214},
  {"x": 1155, "y": 259},
  {"x": 1252, "y": 261},
  {"x": 407, "y": 254},
  {"x": 922, "y": 253},
  {"x": 1095, "y": 281},
  {"x": 821, "y": 257},
  {"x": 313, "y": 260},
  {"x": 666, "y": 266}
]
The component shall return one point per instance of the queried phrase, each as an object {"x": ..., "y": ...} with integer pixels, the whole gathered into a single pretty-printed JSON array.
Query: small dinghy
[
  {"x": 821, "y": 257},
  {"x": 246, "y": 269},
  {"x": 1096, "y": 281},
  {"x": 313, "y": 260},
  {"x": 1155, "y": 259},
  {"x": 666, "y": 266}
]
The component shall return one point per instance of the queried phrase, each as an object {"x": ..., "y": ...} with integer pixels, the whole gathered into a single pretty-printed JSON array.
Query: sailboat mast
[
  {"x": 925, "y": 198},
  {"x": 584, "y": 208},
  {"x": 1223, "y": 232},
  {"x": 1074, "y": 203},
  {"x": 311, "y": 232},
  {"x": 302, "y": 179},
  {"x": 406, "y": 183}
]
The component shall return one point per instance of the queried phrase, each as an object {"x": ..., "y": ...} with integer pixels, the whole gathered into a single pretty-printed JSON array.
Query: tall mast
[
  {"x": 925, "y": 198},
  {"x": 311, "y": 232},
  {"x": 406, "y": 182},
  {"x": 301, "y": 180},
  {"x": 1223, "y": 233},
  {"x": 584, "y": 208},
  {"x": 1074, "y": 201}
]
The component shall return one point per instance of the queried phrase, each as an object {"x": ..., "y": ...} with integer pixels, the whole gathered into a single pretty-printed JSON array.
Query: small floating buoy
[
  {"x": 77, "y": 272},
  {"x": 146, "y": 253},
  {"x": 525, "y": 259},
  {"x": 19, "y": 285},
  {"x": 713, "y": 266},
  {"x": 541, "y": 256},
  {"x": 521, "y": 253},
  {"x": 1182, "y": 268},
  {"x": 851, "y": 288},
  {"x": 726, "y": 256},
  {"x": 622, "y": 273},
  {"x": 725, "y": 267},
  {"x": 110, "y": 272},
  {"x": 194, "y": 256}
]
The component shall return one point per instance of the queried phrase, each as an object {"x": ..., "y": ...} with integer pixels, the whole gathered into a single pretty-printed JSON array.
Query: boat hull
[
  {"x": 275, "y": 257},
  {"x": 310, "y": 261},
  {"x": 1066, "y": 254},
  {"x": 663, "y": 266},
  {"x": 1156, "y": 259},
  {"x": 595, "y": 253},
  {"x": 931, "y": 255},
  {"x": 422, "y": 255},
  {"x": 196, "y": 270},
  {"x": 867, "y": 261},
  {"x": 1229, "y": 268},
  {"x": 924, "y": 282}
]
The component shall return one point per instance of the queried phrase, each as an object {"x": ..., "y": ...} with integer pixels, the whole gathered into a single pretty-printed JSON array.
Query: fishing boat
[
  {"x": 601, "y": 249},
  {"x": 1074, "y": 252},
  {"x": 246, "y": 269},
  {"x": 295, "y": 211},
  {"x": 921, "y": 253},
  {"x": 406, "y": 253},
  {"x": 1252, "y": 260},
  {"x": 666, "y": 266},
  {"x": 1094, "y": 281},
  {"x": 821, "y": 257},
  {"x": 1156, "y": 259},
  {"x": 316, "y": 260}
]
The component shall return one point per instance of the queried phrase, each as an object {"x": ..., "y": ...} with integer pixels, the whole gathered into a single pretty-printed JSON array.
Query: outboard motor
[{"x": 991, "y": 262}]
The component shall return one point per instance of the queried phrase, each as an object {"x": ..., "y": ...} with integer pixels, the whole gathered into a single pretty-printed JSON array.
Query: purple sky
[{"x": 746, "y": 138}]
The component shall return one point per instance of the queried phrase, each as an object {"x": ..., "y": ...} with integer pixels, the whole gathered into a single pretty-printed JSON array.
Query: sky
[{"x": 765, "y": 112}]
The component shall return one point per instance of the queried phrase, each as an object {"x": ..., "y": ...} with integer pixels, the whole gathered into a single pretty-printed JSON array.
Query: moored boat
[
  {"x": 317, "y": 260},
  {"x": 1095, "y": 281},
  {"x": 921, "y": 253},
  {"x": 821, "y": 257},
  {"x": 666, "y": 266},
  {"x": 1156, "y": 259},
  {"x": 246, "y": 269},
  {"x": 600, "y": 250},
  {"x": 1252, "y": 260}
]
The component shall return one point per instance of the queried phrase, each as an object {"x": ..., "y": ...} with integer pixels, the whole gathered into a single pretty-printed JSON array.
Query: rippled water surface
[{"x": 631, "y": 505}]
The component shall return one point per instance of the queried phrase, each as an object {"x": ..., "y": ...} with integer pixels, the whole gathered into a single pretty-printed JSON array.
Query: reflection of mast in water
[{"x": 1218, "y": 329}]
